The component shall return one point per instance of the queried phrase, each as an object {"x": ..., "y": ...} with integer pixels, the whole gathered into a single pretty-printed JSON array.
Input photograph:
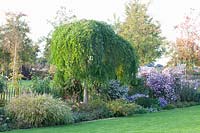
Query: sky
[
  {"x": 39, "y": 11},
  {"x": 168, "y": 12}
]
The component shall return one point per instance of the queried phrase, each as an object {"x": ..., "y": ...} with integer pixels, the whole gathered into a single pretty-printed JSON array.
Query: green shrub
[
  {"x": 3, "y": 84},
  {"x": 2, "y": 111},
  {"x": 2, "y": 102},
  {"x": 140, "y": 110},
  {"x": 116, "y": 90},
  {"x": 138, "y": 86},
  {"x": 152, "y": 109},
  {"x": 194, "y": 103},
  {"x": 4, "y": 121},
  {"x": 83, "y": 116},
  {"x": 30, "y": 110},
  {"x": 95, "y": 109},
  {"x": 169, "y": 106},
  {"x": 121, "y": 108},
  {"x": 41, "y": 86},
  {"x": 185, "y": 104},
  {"x": 71, "y": 91},
  {"x": 187, "y": 91},
  {"x": 188, "y": 94},
  {"x": 147, "y": 102}
]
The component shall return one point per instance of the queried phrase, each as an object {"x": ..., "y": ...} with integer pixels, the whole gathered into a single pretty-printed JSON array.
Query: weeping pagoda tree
[{"x": 90, "y": 51}]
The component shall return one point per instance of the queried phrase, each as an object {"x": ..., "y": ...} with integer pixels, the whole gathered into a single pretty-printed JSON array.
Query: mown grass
[
  {"x": 184, "y": 120},
  {"x": 23, "y": 84}
]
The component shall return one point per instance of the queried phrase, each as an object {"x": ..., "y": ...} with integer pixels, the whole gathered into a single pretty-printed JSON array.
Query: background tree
[
  {"x": 142, "y": 32},
  {"x": 4, "y": 57},
  {"x": 16, "y": 45},
  {"x": 63, "y": 16},
  {"x": 90, "y": 51},
  {"x": 186, "y": 49}
]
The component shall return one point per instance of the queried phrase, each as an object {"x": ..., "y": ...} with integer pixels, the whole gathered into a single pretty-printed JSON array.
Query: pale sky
[
  {"x": 39, "y": 11},
  {"x": 168, "y": 12}
]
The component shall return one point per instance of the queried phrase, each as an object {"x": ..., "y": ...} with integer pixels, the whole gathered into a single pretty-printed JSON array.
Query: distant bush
[
  {"x": 71, "y": 91},
  {"x": 2, "y": 102},
  {"x": 116, "y": 90},
  {"x": 98, "y": 109},
  {"x": 185, "y": 104},
  {"x": 152, "y": 109},
  {"x": 147, "y": 102},
  {"x": 187, "y": 90},
  {"x": 169, "y": 106},
  {"x": 41, "y": 86},
  {"x": 162, "y": 86},
  {"x": 162, "y": 102},
  {"x": 95, "y": 109},
  {"x": 4, "y": 121},
  {"x": 3, "y": 85},
  {"x": 121, "y": 108},
  {"x": 30, "y": 110},
  {"x": 139, "y": 87},
  {"x": 134, "y": 97}
]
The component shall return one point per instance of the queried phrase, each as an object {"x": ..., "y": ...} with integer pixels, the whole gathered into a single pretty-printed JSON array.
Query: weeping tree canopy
[{"x": 90, "y": 51}]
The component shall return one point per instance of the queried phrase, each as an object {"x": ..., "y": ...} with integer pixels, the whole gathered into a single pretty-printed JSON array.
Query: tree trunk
[
  {"x": 85, "y": 94},
  {"x": 15, "y": 66}
]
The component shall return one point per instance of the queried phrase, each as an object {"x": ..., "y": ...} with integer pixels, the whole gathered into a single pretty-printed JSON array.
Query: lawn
[
  {"x": 185, "y": 120},
  {"x": 23, "y": 84}
]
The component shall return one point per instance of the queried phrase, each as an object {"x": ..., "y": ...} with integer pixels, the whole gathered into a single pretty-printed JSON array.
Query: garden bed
[{"x": 177, "y": 120}]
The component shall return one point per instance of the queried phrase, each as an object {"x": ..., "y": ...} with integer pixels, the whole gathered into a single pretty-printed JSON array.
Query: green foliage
[
  {"x": 72, "y": 90},
  {"x": 95, "y": 109},
  {"x": 5, "y": 60},
  {"x": 17, "y": 47},
  {"x": 113, "y": 90},
  {"x": 140, "y": 110},
  {"x": 116, "y": 90},
  {"x": 138, "y": 87},
  {"x": 187, "y": 92},
  {"x": 30, "y": 110},
  {"x": 63, "y": 16},
  {"x": 41, "y": 86},
  {"x": 16, "y": 30},
  {"x": 3, "y": 87},
  {"x": 3, "y": 84},
  {"x": 184, "y": 120},
  {"x": 2, "y": 102},
  {"x": 142, "y": 32},
  {"x": 90, "y": 51},
  {"x": 185, "y": 104},
  {"x": 147, "y": 102},
  {"x": 4, "y": 121},
  {"x": 169, "y": 106},
  {"x": 121, "y": 108}
]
